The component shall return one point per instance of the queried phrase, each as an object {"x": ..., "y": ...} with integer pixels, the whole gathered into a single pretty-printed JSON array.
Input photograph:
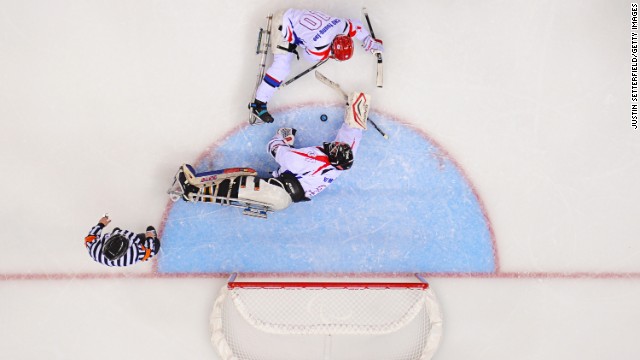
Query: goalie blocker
[{"x": 357, "y": 110}]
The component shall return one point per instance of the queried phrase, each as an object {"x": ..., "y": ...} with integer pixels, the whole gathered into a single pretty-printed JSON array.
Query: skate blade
[
  {"x": 175, "y": 192},
  {"x": 253, "y": 212},
  {"x": 255, "y": 120}
]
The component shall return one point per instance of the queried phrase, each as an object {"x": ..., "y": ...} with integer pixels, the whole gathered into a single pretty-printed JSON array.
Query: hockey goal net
[{"x": 274, "y": 320}]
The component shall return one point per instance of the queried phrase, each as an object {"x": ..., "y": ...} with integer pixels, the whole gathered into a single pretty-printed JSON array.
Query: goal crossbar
[
  {"x": 233, "y": 284},
  {"x": 324, "y": 285}
]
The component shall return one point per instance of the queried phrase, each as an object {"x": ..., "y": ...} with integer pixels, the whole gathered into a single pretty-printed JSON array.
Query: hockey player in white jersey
[
  {"x": 314, "y": 167},
  {"x": 302, "y": 174},
  {"x": 319, "y": 36}
]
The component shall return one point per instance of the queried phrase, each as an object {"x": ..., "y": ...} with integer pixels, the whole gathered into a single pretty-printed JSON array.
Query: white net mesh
[
  {"x": 326, "y": 323},
  {"x": 322, "y": 311}
]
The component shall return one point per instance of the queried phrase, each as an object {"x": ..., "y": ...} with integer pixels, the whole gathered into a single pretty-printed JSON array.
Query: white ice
[{"x": 100, "y": 101}]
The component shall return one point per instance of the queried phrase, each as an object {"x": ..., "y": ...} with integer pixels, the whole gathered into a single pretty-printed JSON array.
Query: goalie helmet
[
  {"x": 342, "y": 48},
  {"x": 115, "y": 247},
  {"x": 340, "y": 154}
]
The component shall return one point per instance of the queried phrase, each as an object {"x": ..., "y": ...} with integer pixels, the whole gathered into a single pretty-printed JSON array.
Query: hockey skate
[
  {"x": 235, "y": 187},
  {"x": 259, "y": 112}
]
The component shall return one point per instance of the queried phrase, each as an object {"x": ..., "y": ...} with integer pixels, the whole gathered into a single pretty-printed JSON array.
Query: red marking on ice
[
  {"x": 151, "y": 275},
  {"x": 155, "y": 274}
]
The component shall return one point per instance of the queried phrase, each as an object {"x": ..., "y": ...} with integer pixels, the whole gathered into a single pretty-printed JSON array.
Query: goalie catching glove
[
  {"x": 288, "y": 135},
  {"x": 283, "y": 137}
]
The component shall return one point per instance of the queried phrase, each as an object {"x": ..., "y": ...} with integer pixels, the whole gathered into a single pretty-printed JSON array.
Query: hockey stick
[
  {"x": 334, "y": 85},
  {"x": 379, "y": 65},
  {"x": 318, "y": 64},
  {"x": 384, "y": 135}
]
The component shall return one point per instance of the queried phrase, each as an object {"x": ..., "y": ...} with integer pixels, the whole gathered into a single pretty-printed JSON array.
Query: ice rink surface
[{"x": 101, "y": 101}]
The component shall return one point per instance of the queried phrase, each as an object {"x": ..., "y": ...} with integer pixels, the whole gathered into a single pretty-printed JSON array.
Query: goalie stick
[
  {"x": 379, "y": 65},
  {"x": 334, "y": 85}
]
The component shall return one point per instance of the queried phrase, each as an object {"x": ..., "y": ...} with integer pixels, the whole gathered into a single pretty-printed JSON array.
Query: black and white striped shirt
[{"x": 140, "y": 249}]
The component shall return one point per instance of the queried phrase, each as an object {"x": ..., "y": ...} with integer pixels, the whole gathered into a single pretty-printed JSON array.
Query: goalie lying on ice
[{"x": 303, "y": 173}]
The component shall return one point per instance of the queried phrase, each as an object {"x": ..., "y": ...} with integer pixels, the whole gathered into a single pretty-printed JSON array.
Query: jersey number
[{"x": 313, "y": 20}]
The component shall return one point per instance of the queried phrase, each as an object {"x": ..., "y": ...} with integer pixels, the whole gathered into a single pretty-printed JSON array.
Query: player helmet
[
  {"x": 340, "y": 154},
  {"x": 115, "y": 247},
  {"x": 342, "y": 48}
]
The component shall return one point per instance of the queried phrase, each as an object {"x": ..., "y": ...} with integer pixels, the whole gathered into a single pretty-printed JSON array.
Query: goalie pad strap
[{"x": 226, "y": 189}]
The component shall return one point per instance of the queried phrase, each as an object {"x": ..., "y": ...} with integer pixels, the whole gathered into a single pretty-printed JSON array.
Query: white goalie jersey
[{"x": 311, "y": 165}]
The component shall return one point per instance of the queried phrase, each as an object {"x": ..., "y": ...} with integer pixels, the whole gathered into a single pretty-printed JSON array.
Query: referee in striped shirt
[{"x": 121, "y": 247}]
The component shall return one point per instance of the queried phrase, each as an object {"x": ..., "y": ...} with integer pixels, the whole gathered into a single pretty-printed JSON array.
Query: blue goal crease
[{"x": 403, "y": 207}]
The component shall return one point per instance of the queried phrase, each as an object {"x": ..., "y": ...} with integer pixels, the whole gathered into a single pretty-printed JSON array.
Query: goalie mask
[
  {"x": 115, "y": 247},
  {"x": 340, "y": 154},
  {"x": 342, "y": 48}
]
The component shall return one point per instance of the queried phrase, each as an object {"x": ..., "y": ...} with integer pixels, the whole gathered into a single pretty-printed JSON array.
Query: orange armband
[
  {"x": 147, "y": 253},
  {"x": 89, "y": 239}
]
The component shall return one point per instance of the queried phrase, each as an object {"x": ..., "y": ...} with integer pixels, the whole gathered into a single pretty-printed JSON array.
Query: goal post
[{"x": 280, "y": 320}]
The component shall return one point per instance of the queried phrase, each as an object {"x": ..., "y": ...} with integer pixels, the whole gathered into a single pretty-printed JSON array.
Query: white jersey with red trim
[
  {"x": 311, "y": 165},
  {"x": 314, "y": 31}
]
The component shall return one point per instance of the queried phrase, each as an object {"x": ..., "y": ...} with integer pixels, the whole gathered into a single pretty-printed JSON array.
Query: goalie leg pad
[
  {"x": 265, "y": 193},
  {"x": 357, "y": 110}
]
